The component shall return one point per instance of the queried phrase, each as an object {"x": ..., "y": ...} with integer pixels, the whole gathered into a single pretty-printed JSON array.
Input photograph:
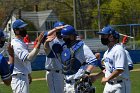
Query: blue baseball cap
[
  {"x": 106, "y": 30},
  {"x": 109, "y": 30},
  {"x": 19, "y": 24},
  {"x": 68, "y": 30},
  {"x": 58, "y": 24}
]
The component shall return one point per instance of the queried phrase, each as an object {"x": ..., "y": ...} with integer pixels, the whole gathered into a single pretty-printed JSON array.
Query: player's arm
[
  {"x": 22, "y": 52},
  {"x": 90, "y": 59},
  {"x": 5, "y": 72},
  {"x": 97, "y": 76},
  {"x": 46, "y": 44},
  {"x": 55, "y": 30},
  {"x": 7, "y": 82},
  {"x": 112, "y": 76},
  {"x": 35, "y": 51},
  {"x": 11, "y": 57},
  {"x": 51, "y": 32},
  {"x": 11, "y": 53},
  {"x": 130, "y": 63}
]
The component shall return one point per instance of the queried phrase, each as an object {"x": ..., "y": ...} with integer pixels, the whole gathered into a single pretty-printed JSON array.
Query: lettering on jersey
[
  {"x": 65, "y": 54},
  {"x": 109, "y": 64}
]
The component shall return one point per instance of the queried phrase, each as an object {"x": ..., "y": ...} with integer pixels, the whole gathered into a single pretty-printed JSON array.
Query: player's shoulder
[
  {"x": 118, "y": 47},
  {"x": 15, "y": 41},
  {"x": 86, "y": 47}
]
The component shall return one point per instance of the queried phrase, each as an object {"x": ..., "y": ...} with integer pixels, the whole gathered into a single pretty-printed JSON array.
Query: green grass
[{"x": 42, "y": 87}]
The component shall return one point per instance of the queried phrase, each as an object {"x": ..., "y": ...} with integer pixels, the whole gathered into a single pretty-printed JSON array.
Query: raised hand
[
  {"x": 39, "y": 40},
  {"x": 50, "y": 38},
  {"x": 40, "y": 37}
]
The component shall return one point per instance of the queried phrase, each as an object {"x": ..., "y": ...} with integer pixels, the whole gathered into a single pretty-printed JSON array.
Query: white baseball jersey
[
  {"x": 22, "y": 67},
  {"x": 21, "y": 52},
  {"x": 55, "y": 79},
  {"x": 116, "y": 58},
  {"x": 84, "y": 55},
  {"x": 54, "y": 63},
  {"x": 129, "y": 60}
]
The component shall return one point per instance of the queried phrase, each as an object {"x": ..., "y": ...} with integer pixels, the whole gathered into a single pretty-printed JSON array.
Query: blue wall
[
  {"x": 135, "y": 55},
  {"x": 39, "y": 62}
]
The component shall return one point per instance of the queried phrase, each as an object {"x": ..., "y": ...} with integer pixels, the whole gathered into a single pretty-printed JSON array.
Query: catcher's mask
[{"x": 84, "y": 85}]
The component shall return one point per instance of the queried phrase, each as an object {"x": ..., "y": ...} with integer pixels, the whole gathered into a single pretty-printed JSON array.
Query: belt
[
  {"x": 18, "y": 74},
  {"x": 115, "y": 82},
  {"x": 71, "y": 81},
  {"x": 57, "y": 71}
]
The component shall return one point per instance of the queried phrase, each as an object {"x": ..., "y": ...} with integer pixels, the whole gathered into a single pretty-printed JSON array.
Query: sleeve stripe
[
  {"x": 6, "y": 76},
  {"x": 24, "y": 57},
  {"x": 93, "y": 60},
  {"x": 20, "y": 55}
]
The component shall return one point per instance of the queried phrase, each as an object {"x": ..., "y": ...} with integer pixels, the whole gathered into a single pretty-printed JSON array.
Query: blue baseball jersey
[
  {"x": 83, "y": 57},
  {"x": 4, "y": 68}
]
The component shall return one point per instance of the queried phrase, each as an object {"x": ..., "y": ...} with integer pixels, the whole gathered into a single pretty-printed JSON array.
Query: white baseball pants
[
  {"x": 55, "y": 81},
  {"x": 123, "y": 87},
  {"x": 20, "y": 83}
]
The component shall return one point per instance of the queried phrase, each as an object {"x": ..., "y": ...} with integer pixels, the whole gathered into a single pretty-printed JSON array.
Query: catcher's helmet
[
  {"x": 68, "y": 30},
  {"x": 19, "y": 24},
  {"x": 109, "y": 30},
  {"x": 56, "y": 24}
]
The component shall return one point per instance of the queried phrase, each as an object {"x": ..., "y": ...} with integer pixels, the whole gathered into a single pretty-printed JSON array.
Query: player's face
[
  {"x": 68, "y": 40},
  {"x": 104, "y": 39},
  {"x": 22, "y": 31}
]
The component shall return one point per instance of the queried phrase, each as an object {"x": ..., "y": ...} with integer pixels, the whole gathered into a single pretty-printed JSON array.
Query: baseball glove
[{"x": 84, "y": 85}]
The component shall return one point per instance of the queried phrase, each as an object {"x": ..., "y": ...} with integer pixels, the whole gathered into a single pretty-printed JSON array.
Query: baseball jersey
[
  {"x": 21, "y": 65},
  {"x": 85, "y": 56},
  {"x": 4, "y": 68},
  {"x": 129, "y": 60},
  {"x": 115, "y": 58},
  {"x": 53, "y": 60}
]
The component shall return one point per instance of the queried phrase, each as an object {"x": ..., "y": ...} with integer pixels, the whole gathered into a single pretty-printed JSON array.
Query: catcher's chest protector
[{"x": 69, "y": 62}]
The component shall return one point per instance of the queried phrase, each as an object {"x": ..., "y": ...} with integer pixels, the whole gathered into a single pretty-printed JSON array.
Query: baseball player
[
  {"x": 5, "y": 72},
  {"x": 77, "y": 59},
  {"x": 23, "y": 58},
  {"x": 115, "y": 60},
  {"x": 130, "y": 63},
  {"x": 54, "y": 76}
]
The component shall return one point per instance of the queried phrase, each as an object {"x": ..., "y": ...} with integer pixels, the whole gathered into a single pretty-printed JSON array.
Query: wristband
[
  {"x": 11, "y": 68},
  {"x": 87, "y": 72}
]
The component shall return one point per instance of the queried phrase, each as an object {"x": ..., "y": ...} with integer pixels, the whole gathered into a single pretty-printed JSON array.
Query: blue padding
[{"x": 39, "y": 63}]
